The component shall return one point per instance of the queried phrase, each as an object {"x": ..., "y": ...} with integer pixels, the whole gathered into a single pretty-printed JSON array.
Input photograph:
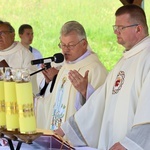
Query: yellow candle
[
  {"x": 24, "y": 95},
  {"x": 2, "y": 106},
  {"x": 12, "y": 122}
]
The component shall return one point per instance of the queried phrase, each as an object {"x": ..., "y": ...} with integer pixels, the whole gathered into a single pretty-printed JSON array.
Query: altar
[{"x": 41, "y": 140}]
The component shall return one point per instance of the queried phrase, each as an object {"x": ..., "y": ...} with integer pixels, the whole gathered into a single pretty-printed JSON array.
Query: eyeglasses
[
  {"x": 2, "y": 33},
  {"x": 119, "y": 28},
  {"x": 70, "y": 47}
]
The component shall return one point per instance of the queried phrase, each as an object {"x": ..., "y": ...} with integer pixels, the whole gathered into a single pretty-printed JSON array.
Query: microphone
[{"x": 57, "y": 58}]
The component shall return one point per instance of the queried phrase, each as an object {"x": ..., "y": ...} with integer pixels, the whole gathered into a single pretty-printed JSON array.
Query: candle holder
[{"x": 12, "y": 123}]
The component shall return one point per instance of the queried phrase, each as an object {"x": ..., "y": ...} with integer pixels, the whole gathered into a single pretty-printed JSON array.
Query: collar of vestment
[
  {"x": 10, "y": 50},
  {"x": 137, "y": 48},
  {"x": 89, "y": 60},
  {"x": 10, "y": 47},
  {"x": 87, "y": 53}
]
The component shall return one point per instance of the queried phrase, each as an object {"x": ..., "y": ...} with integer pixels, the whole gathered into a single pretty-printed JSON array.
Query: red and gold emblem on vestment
[{"x": 118, "y": 82}]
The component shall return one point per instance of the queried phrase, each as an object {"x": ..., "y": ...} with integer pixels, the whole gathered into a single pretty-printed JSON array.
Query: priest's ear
[
  {"x": 85, "y": 42},
  {"x": 138, "y": 28}
]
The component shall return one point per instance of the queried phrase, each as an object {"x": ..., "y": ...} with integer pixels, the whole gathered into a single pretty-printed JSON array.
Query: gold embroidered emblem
[{"x": 118, "y": 82}]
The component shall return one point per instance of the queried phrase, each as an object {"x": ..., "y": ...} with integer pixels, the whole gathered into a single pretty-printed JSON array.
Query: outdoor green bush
[{"x": 47, "y": 17}]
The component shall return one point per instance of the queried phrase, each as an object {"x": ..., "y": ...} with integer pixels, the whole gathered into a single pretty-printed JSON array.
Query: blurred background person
[{"x": 26, "y": 35}]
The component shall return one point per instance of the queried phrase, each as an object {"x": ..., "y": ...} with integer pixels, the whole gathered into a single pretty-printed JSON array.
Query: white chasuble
[
  {"x": 63, "y": 99},
  {"x": 119, "y": 105}
]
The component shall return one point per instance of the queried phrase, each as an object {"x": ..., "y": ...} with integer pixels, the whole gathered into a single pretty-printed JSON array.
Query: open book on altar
[{"x": 53, "y": 141}]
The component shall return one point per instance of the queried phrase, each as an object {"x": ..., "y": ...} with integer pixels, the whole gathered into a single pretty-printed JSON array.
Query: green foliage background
[{"x": 47, "y": 17}]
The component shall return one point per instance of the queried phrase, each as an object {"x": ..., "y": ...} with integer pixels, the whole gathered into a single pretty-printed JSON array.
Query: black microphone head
[{"x": 58, "y": 58}]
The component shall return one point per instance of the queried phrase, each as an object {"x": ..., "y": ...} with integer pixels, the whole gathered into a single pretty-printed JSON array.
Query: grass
[{"x": 47, "y": 17}]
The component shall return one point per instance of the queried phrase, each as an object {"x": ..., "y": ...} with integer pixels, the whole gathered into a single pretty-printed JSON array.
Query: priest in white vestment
[
  {"x": 117, "y": 115},
  {"x": 14, "y": 53},
  {"x": 81, "y": 64}
]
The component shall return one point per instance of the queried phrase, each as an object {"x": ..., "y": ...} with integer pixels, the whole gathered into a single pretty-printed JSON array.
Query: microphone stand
[{"x": 47, "y": 65}]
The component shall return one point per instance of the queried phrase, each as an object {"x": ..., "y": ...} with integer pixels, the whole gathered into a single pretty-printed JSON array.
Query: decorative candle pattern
[
  {"x": 12, "y": 122},
  {"x": 27, "y": 121},
  {"x": 2, "y": 104}
]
